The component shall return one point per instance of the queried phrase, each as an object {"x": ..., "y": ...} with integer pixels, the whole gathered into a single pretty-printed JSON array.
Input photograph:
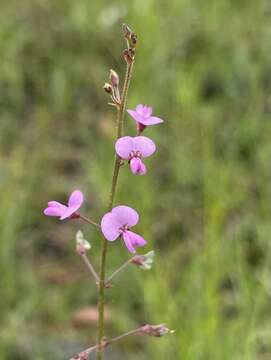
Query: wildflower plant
[{"x": 117, "y": 222}]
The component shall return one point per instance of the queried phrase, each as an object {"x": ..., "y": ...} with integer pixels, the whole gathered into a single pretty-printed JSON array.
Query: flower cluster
[
  {"x": 117, "y": 223},
  {"x": 134, "y": 149}
]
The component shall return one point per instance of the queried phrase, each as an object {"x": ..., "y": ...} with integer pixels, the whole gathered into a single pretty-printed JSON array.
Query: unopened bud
[
  {"x": 133, "y": 39},
  {"x": 127, "y": 57},
  {"x": 155, "y": 330},
  {"x": 82, "y": 245},
  {"x": 129, "y": 35},
  {"x": 126, "y": 31},
  {"x": 114, "y": 78},
  {"x": 108, "y": 88},
  {"x": 144, "y": 261},
  {"x": 131, "y": 52}
]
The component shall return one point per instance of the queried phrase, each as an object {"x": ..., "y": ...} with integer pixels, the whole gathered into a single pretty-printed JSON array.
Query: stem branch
[
  {"x": 121, "y": 268},
  {"x": 105, "y": 342},
  {"x": 89, "y": 221},
  {"x": 91, "y": 268}
]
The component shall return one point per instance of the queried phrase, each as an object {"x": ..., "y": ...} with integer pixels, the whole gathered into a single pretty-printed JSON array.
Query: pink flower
[
  {"x": 134, "y": 149},
  {"x": 142, "y": 115},
  {"x": 118, "y": 222},
  {"x": 57, "y": 209}
]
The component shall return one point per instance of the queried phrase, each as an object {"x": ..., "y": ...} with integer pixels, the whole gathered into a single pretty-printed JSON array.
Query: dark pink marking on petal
[{"x": 135, "y": 165}]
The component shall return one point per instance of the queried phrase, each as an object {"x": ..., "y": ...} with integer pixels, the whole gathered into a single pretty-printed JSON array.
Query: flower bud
[
  {"x": 127, "y": 57},
  {"x": 133, "y": 39},
  {"x": 155, "y": 330},
  {"x": 82, "y": 245},
  {"x": 126, "y": 31},
  {"x": 144, "y": 261},
  {"x": 114, "y": 78},
  {"x": 108, "y": 88},
  {"x": 129, "y": 35}
]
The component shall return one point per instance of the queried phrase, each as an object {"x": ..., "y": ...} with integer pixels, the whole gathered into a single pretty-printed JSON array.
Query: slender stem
[
  {"x": 120, "y": 117},
  {"x": 89, "y": 221},
  {"x": 106, "y": 342},
  {"x": 121, "y": 268},
  {"x": 91, "y": 268},
  {"x": 117, "y": 338}
]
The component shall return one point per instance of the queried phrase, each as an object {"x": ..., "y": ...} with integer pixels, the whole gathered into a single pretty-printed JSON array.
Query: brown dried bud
[
  {"x": 126, "y": 31},
  {"x": 129, "y": 35},
  {"x": 133, "y": 39},
  {"x": 127, "y": 57},
  {"x": 108, "y": 88},
  {"x": 131, "y": 52},
  {"x": 155, "y": 330},
  {"x": 114, "y": 78}
]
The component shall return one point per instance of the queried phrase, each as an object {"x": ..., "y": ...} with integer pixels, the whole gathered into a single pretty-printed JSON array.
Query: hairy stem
[
  {"x": 106, "y": 342},
  {"x": 91, "y": 268},
  {"x": 89, "y": 221},
  {"x": 117, "y": 164},
  {"x": 121, "y": 268}
]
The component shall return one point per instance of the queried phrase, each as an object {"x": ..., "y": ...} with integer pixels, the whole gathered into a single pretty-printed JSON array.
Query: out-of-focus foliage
[{"x": 205, "y": 204}]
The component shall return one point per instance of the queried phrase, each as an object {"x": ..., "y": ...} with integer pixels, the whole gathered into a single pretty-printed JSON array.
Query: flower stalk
[
  {"x": 116, "y": 168},
  {"x": 150, "y": 330},
  {"x": 89, "y": 221},
  {"x": 121, "y": 268},
  {"x": 91, "y": 268}
]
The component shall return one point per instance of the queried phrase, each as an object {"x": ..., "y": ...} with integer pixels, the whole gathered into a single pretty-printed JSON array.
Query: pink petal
[
  {"x": 144, "y": 110},
  {"x": 137, "y": 166},
  {"x": 136, "y": 239},
  {"x": 76, "y": 199},
  {"x": 54, "y": 209},
  {"x": 139, "y": 109},
  {"x": 137, "y": 117},
  {"x": 133, "y": 240},
  {"x": 143, "y": 169},
  {"x": 128, "y": 242},
  {"x": 124, "y": 146},
  {"x": 144, "y": 145},
  {"x": 153, "y": 120},
  {"x": 125, "y": 215},
  {"x": 69, "y": 212},
  {"x": 110, "y": 225}
]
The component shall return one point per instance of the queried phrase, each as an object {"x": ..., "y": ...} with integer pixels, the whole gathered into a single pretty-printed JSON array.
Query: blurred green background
[{"x": 205, "y": 205}]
